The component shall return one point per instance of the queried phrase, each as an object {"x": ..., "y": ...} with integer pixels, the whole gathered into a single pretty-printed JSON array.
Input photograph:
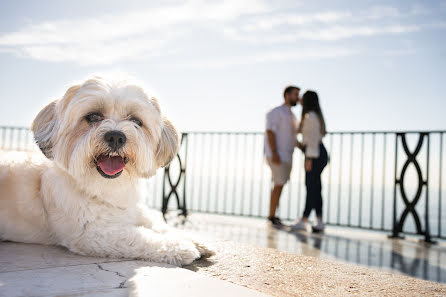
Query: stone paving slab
[
  {"x": 34, "y": 256},
  {"x": 165, "y": 282},
  {"x": 38, "y": 270},
  {"x": 56, "y": 281}
]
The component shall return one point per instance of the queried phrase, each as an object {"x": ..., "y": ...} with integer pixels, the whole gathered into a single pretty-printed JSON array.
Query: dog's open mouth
[{"x": 110, "y": 166}]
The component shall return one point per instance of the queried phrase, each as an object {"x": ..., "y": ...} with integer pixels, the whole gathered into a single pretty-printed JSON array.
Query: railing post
[
  {"x": 394, "y": 229},
  {"x": 427, "y": 234},
  {"x": 173, "y": 185},
  {"x": 399, "y": 183}
]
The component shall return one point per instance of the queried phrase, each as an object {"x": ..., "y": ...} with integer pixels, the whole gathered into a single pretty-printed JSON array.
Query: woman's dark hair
[{"x": 311, "y": 103}]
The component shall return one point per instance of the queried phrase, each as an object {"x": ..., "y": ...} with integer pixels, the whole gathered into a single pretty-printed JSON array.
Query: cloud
[
  {"x": 331, "y": 25},
  {"x": 110, "y": 27},
  {"x": 273, "y": 56},
  {"x": 271, "y": 22},
  {"x": 379, "y": 12},
  {"x": 97, "y": 53},
  {"x": 110, "y": 38},
  {"x": 332, "y": 33},
  {"x": 399, "y": 52},
  {"x": 164, "y": 30},
  {"x": 342, "y": 32}
]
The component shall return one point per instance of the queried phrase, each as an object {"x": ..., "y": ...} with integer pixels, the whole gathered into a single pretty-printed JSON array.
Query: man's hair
[{"x": 289, "y": 89}]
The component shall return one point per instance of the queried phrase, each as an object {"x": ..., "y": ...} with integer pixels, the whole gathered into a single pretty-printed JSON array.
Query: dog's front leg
[
  {"x": 135, "y": 243},
  {"x": 159, "y": 226},
  {"x": 145, "y": 217},
  {"x": 203, "y": 248},
  {"x": 152, "y": 220}
]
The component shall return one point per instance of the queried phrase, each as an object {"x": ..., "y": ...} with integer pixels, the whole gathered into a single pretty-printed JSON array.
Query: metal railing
[
  {"x": 16, "y": 138},
  {"x": 379, "y": 180}
]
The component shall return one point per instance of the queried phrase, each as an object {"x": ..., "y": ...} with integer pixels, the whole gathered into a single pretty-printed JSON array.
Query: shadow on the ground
[{"x": 200, "y": 263}]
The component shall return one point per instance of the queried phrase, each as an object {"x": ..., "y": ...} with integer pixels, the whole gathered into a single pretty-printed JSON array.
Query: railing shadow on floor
[{"x": 381, "y": 255}]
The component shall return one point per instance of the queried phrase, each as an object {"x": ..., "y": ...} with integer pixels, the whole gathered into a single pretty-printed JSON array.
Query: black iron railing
[{"x": 379, "y": 180}]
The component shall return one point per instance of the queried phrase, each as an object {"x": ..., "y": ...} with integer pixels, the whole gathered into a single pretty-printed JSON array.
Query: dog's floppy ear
[
  {"x": 168, "y": 145},
  {"x": 44, "y": 125},
  {"x": 43, "y": 128}
]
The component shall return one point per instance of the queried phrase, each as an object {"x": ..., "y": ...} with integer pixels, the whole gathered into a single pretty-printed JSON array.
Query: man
[{"x": 280, "y": 140}]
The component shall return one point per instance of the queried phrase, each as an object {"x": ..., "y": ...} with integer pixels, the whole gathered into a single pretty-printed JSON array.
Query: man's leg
[{"x": 274, "y": 202}]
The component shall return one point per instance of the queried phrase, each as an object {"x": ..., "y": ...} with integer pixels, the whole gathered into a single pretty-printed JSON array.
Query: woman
[{"x": 313, "y": 130}]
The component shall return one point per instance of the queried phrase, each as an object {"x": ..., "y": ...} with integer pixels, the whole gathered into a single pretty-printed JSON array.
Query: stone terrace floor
[{"x": 252, "y": 259}]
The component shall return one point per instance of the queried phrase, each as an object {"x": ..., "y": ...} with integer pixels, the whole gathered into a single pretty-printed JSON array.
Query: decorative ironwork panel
[
  {"x": 176, "y": 187},
  {"x": 422, "y": 183}
]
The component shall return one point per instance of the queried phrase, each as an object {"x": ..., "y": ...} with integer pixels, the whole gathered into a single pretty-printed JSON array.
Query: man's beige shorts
[{"x": 280, "y": 172}]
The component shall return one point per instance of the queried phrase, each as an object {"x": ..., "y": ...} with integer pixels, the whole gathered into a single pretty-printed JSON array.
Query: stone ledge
[{"x": 283, "y": 274}]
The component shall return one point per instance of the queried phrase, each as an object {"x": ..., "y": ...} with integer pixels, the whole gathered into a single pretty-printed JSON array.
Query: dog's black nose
[{"x": 115, "y": 139}]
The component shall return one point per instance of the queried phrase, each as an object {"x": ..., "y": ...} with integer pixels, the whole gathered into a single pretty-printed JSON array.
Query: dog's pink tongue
[{"x": 111, "y": 165}]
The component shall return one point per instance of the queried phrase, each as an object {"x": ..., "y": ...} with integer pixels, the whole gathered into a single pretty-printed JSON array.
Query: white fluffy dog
[{"x": 100, "y": 139}]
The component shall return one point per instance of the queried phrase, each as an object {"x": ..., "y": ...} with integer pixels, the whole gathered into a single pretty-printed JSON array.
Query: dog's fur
[{"x": 64, "y": 200}]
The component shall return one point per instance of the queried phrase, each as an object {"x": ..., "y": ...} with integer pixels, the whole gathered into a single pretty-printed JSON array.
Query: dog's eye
[
  {"x": 94, "y": 117},
  {"x": 136, "y": 121}
]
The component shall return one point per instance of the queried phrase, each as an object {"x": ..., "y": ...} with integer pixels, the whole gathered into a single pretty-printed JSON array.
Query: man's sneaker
[
  {"x": 299, "y": 226},
  {"x": 275, "y": 221},
  {"x": 319, "y": 227}
]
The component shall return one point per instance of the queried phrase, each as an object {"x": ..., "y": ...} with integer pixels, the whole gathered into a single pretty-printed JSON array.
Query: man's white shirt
[{"x": 284, "y": 124}]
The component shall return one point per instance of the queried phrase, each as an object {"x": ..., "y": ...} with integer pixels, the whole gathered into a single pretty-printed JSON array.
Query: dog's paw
[
  {"x": 203, "y": 247},
  {"x": 205, "y": 250},
  {"x": 182, "y": 253}
]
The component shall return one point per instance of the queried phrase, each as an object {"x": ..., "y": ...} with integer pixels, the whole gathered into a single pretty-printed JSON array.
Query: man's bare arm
[{"x": 272, "y": 145}]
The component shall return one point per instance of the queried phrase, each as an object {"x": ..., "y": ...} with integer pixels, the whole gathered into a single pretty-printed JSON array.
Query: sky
[{"x": 221, "y": 65}]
